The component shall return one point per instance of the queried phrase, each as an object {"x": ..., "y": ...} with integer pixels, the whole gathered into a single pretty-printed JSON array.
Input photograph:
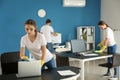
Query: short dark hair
[
  {"x": 48, "y": 21},
  {"x": 102, "y": 23}
]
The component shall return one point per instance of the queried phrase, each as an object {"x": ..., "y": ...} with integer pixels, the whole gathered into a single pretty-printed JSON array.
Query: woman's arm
[
  {"x": 22, "y": 52},
  {"x": 105, "y": 42},
  {"x": 43, "y": 48}
]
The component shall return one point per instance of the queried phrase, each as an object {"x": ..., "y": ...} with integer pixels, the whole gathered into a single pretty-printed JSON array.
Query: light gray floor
[{"x": 92, "y": 70}]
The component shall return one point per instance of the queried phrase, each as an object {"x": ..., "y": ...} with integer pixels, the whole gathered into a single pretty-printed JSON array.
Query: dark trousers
[
  {"x": 50, "y": 48},
  {"x": 50, "y": 64}
]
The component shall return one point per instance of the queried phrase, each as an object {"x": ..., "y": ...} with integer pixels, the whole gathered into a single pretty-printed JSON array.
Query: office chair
[
  {"x": 9, "y": 62},
  {"x": 115, "y": 63}
]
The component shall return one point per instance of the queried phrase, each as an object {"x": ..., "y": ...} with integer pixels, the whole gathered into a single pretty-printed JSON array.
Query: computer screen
[
  {"x": 56, "y": 39},
  {"x": 78, "y": 45}
]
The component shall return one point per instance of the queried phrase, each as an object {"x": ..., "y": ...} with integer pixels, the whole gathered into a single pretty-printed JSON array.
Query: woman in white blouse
[
  {"x": 36, "y": 44},
  {"x": 110, "y": 43}
]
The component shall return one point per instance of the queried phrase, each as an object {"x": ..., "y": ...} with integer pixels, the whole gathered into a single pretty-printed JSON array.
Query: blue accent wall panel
[{"x": 14, "y": 13}]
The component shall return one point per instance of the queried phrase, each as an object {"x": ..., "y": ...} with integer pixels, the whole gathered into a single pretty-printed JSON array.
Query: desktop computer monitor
[{"x": 78, "y": 46}]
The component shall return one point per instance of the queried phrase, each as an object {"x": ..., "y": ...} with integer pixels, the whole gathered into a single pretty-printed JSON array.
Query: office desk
[
  {"x": 48, "y": 75},
  {"x": 54, "y": 75},
  {"x": 83, "y": 59}
]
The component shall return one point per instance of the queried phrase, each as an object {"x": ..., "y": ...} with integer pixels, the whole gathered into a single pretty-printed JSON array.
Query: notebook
[{"x": 29, "y": 68}]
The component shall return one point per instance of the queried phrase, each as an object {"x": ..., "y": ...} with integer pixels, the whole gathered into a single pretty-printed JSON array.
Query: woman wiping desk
[
  {"x": 109, "y": 42},
  {"x": 36, "y": 44}
]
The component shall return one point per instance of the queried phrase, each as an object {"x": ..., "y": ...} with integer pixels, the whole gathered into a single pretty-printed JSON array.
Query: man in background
[{"x": 48, "y": 31}]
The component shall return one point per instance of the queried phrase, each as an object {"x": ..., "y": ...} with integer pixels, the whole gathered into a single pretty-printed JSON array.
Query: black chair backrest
[
  {"x": 116, "y": 60},
  {"x": 8, "y": 57},
  {"x": 9, "y": 62}
]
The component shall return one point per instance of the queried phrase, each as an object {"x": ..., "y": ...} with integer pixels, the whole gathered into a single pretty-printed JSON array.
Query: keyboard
[{"x": 88, "y": 53}]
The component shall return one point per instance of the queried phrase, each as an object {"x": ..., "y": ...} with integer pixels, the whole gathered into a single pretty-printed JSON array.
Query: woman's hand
[
  {"x": 101, "y": 50},
  {"x": 42, "y": 63},
  {"x": 43, "y": 48},
  {"x": 101, "y": 43},
  {"x": 22, "y": 54},
  {"x": 24, "y": 58}
]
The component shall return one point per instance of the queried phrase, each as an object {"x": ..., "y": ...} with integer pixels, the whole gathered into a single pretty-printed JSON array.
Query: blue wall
[{"x": 13, "y": 14}]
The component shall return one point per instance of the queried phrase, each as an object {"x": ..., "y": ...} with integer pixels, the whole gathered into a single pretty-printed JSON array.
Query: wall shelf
[{"x": 88, "y": 34}]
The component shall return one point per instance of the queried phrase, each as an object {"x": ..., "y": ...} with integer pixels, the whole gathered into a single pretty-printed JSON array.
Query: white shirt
[
  {"x": 46, "y": 30},
  {"x": 35, "y": 47},
  {"x": 110, "y": 35}
]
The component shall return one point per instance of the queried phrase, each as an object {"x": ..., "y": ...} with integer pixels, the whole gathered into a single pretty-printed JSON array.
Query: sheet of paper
[
  {"x": 66, "y": 72},
  {"x": 90, "y": 54}
]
